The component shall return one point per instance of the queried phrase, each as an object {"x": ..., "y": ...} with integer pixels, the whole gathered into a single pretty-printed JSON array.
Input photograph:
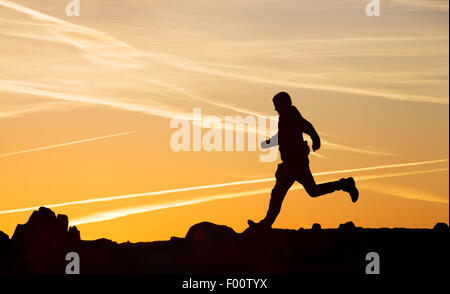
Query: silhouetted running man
[{"x": 294, "y": 153}]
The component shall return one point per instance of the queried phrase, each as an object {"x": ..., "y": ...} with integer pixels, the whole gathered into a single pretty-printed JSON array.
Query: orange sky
[{"x": 86, "y": 103}]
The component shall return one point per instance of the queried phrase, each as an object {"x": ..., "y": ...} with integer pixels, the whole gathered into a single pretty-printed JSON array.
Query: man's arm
[
  {"x": 270, "y": 142},
  {"x": 309, "y": 130}
]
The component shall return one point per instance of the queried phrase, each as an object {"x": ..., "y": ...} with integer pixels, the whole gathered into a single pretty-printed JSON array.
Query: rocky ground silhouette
[{"x": 40, "y": 246}]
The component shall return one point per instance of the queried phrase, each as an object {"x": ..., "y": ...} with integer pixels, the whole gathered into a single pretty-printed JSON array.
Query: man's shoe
[{"x": 349, "y": 186}]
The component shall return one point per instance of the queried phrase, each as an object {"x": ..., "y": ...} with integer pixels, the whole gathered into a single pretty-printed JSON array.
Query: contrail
[
  {"x": 64, "y": 144},
  {"x": 115, "y": 52},
  {"x": 30, "y": 89},
  {"x": 404, "y": 192},
  {"x": 382, "y": 167},
  {"x": 19, "y": 87},
  {"x": 390, "y": 175},
  {"x": 114, "y": 214},
  {"x": 96, "y": 45},
  {"x": 263, "y": 180},
  {"x": 433, "y": 5},
  {"x": 194, "y": 66}
]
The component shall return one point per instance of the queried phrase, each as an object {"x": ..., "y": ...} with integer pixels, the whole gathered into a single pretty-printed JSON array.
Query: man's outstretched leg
[
  {"x": 315, "y": 190},
  {"x": 282, "y": 185}
]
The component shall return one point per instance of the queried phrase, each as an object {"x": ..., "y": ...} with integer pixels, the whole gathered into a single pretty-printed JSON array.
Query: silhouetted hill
[{"x": 40, "y": 246}]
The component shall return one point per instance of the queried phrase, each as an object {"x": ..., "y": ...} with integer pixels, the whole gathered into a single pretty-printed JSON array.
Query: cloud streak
[
  {"x": 40, "y": 90},
  {"x": 118, "y": 213},
  {"x": 155, "y": 110},
  {"x": 18, "y": 110},
  {"x": 440, "y": 5},
  {"x": 197, "y": 67},
  {"x": 221, "y": 185},
  {"x": 113, "y": 214},
  {"x": 99, "y": 47},
  {"x": 406, "y": 193},
  {"x": 64, "y": 144}
]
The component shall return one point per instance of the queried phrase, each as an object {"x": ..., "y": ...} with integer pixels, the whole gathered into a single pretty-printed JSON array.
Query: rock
[
  {"x": 5, "y": 253},
  {"x": 46, "y": 229},
  {"x": 102, "y": 243},
  {"x": 441, "y": 227},
  {"x": 209, "y": 233},
  {"x": 43, "y": 241},
  {"x": 73, "y": 234},
  {"x": 3, "y": 237},
  {"x": 316, "y": 227},
  {"x": 44, "y": 214},
  {"x": 62, "y": 222},
  {"x": 348, "y": 226}
]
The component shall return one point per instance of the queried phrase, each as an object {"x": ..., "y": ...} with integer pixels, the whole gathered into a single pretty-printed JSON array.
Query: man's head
[{"x": 282, "y": 102}]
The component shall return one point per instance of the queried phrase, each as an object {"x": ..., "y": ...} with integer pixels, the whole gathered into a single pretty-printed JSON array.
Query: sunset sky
[{"x": 86, "y": 104}]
